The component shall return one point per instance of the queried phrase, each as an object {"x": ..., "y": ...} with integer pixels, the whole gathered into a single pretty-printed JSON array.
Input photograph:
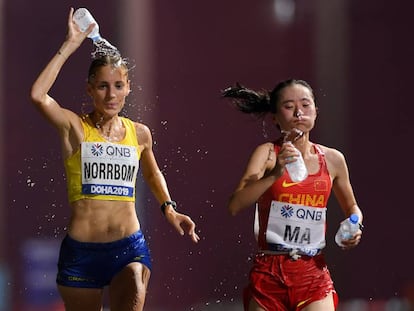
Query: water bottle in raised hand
[{"x": 83, "y": 18}]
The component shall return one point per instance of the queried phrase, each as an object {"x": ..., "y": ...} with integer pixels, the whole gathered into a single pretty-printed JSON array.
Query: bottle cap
[
  {"x": 96, "y": 38},
  {"x": 354, "y": 218}
]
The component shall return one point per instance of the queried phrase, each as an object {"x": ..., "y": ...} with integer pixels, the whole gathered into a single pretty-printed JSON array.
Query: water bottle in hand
[
  {"x": 347, "y": 229},
  {"x": 297, "y": 170},
  {"x": 83, "y": 18}
]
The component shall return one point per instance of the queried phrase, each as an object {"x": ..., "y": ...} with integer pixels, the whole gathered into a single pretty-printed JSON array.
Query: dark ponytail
[
  {"x": 249, "y": 101},
  {"x": 260, "y": 102}
]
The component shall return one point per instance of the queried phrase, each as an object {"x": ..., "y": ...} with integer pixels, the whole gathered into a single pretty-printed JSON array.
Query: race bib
[
  {"x": 295, "y": 226},
  {"x": 108, "y": 169}
]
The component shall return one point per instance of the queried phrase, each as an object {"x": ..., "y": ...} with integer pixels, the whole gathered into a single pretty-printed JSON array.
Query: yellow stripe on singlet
[{"x": 302, "y": 302}]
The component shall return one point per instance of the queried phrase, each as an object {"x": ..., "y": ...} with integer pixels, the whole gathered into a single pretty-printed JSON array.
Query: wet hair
[
  {"x": 116, "y": 61},
  {"x": 260, "y": 102}
]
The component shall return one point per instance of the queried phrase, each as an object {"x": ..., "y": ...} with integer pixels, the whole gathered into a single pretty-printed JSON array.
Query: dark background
[{"x": 357, "y": 55}]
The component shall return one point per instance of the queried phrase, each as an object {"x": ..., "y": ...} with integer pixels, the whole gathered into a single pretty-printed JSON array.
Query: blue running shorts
[{"x": 93, "y": 265}]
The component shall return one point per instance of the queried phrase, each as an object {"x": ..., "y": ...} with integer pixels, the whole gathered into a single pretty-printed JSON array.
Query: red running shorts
[{"x": 279, "y": 283}]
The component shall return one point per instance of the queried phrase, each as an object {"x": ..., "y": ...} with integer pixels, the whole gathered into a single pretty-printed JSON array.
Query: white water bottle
[
  {"x": 347, "y": 229},
  {"x": 297, "y": 170},
  {"x": 83, "y": 18}
]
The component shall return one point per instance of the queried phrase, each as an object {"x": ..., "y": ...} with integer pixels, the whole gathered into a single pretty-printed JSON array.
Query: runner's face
[
  {"x": 109, "y": 89},
  {"x": 296, "y": 109}
]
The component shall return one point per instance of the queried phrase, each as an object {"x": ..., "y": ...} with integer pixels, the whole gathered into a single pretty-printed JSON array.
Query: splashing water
[
  {"x": 104, "y": 48},
  {"x": 264, "y": 132},
  {"x": 292, "y": 135}
]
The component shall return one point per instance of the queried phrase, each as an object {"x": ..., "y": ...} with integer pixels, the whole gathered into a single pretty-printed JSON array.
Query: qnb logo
[
  {"x": 97, "y": 149},
  {"x": 287, "y": 211}
]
